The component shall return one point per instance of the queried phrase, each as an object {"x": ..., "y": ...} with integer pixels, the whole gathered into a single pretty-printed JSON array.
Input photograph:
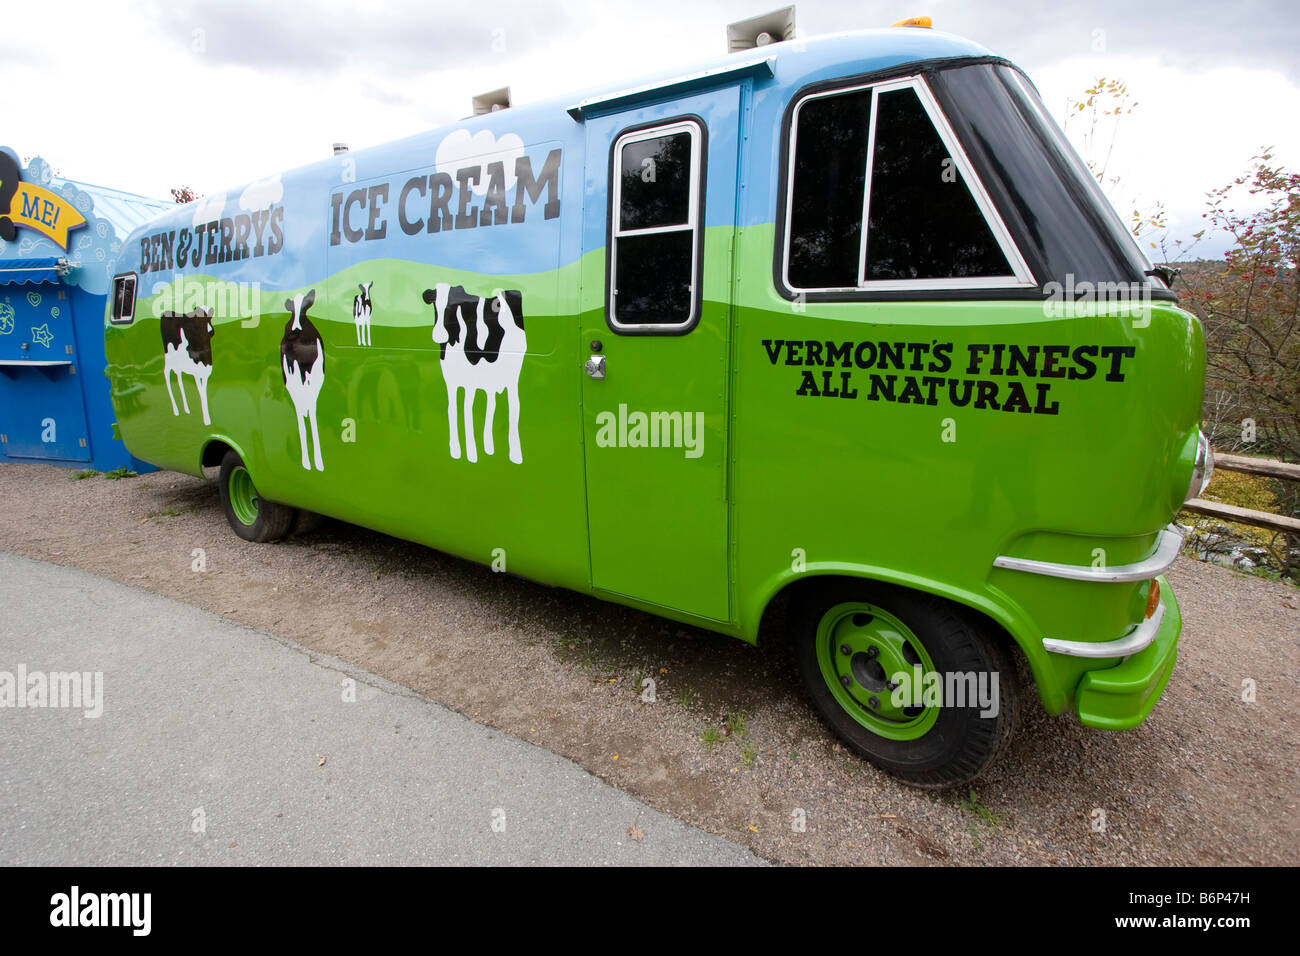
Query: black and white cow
[
  {"x": 361, "y": 313},
  {"x": 483, "y": 347},
  {"x": 187, "y": 350},
  {"x": 302, "y": 361}
]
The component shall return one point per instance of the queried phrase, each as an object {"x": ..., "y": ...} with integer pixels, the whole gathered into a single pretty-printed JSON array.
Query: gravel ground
[{"x": 1209, "y": 779}]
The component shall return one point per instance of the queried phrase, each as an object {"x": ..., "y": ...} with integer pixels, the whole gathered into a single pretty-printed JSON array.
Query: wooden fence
[{"x": 1260, "y": 519}]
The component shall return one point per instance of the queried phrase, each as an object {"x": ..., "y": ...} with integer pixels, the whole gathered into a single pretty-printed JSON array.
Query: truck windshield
[{"x": 1049, "y": 199}]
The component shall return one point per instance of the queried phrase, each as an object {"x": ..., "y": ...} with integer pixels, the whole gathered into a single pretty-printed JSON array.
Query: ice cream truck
[{"x": 836, "y": 332}]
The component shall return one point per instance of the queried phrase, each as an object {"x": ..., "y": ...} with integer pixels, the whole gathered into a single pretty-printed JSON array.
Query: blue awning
[{"x": 21, "y": 271}]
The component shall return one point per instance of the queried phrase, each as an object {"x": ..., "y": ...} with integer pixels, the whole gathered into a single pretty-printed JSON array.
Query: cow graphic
[
  {"x": 187, "y": 350},
  {"x": 361, "y": 313},
  {"x": 483, "y": 346},
  {"x": 302, "y": 361}
]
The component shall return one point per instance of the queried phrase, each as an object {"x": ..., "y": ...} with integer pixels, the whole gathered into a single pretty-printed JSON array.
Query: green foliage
[
  {"x": 973, "y": 805},
  {"x": 737, "y": 726},
  {"x": 117, "y": 473},
  {"x": 1250, "y": 308}
]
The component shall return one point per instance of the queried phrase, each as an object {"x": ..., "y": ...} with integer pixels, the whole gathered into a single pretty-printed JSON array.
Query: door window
[{"x": 655, "y": 207}]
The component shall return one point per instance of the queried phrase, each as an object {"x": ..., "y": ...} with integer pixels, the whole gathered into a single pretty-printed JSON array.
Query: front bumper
[{"x": 1120, "y": 697}]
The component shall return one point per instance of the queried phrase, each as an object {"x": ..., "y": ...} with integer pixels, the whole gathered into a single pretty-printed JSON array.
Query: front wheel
[
  {"x": 906, "y": 681},
  {"x": 252, "y": 516}
]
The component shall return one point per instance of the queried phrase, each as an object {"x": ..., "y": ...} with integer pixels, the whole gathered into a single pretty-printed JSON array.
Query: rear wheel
[
  {"x": 252, "y": 516},
  {"x": 306, "y": 522},
  {"x": 907, "y": 681}
]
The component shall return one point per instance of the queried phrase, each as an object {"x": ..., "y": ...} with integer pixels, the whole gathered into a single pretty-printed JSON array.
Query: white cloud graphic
[
  {"x": 208, "y": 208},
  {"x": 261, "y": 193},
  {"x": 460, "y": 149}
]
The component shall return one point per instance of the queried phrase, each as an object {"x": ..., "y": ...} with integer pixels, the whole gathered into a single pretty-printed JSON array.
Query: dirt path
[{"x": 1208, "y": 779}]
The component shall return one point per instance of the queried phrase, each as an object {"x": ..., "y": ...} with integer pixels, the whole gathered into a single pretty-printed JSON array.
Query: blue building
[{"x": 58, "y": 242}]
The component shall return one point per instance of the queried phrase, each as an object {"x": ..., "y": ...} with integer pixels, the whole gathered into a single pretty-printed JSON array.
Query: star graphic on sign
[{"x": 41, "y": 335}]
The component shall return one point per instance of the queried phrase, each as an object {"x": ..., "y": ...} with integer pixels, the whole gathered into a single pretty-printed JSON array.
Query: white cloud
[
  {"x": 261, "y": 193},
  {"x": 483, "y": 148},
  {"x": 208, "y": 208}
]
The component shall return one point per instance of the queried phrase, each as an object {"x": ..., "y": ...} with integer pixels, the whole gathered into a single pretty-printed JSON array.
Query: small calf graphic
[{"x": 361, "y": 313}]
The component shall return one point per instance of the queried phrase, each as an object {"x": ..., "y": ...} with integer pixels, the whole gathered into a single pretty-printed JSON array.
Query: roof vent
[
  {"x": 760, "y": 31},
  {"x": 491, "y": 102}
]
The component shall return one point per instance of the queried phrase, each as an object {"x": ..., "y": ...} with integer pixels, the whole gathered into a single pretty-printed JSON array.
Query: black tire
[
  {"x": 960, "y": 744},
  {"x": 306, "y": 522},
  {"x": 271, "y": 521}
]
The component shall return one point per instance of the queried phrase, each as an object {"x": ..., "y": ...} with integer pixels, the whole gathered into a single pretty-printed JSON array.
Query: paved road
[{"x": 210, "y": 744}]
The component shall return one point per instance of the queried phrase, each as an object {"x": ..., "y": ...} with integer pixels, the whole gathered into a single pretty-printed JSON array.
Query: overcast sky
[{"x": 144, "y": 95}]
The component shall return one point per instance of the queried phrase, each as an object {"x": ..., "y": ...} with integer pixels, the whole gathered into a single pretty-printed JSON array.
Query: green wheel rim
[
  {"x": 243, "y": 496},
  {"x": 860, "y": 649}
]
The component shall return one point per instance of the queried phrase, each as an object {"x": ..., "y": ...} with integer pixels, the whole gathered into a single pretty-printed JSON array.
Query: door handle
[{"x": 595, "y": 366}]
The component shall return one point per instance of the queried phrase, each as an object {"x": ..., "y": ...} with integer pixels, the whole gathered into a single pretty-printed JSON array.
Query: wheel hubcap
[
  {"x": 243, "y": 496},
  {"x": 861, "y": 650}
]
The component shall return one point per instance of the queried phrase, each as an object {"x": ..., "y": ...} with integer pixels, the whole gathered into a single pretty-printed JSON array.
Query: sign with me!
[{"x": 33, "y": 206}]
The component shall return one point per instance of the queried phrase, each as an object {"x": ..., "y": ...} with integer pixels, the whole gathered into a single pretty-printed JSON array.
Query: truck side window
[
  {"x": 922, "y": 221},
  {"x": 883, "y": 156},
  {"x": 830, "y": 168},
  {"x": 654, "y": 237},
  {"x": 123, "y": 299}
]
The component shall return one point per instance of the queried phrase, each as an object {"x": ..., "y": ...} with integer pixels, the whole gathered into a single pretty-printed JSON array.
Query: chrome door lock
[{"x": 595, "y": 366}]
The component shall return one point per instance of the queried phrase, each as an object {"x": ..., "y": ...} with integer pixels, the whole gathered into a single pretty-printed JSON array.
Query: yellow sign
[{"x": 48, "y": 213}]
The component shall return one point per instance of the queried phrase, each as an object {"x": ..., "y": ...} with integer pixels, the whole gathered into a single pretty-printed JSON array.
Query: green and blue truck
[{"x": 838, "y": 332}]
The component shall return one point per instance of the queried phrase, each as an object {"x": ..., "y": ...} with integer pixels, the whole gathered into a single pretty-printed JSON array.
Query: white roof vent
[
  {"x": 491, "y": 102},
  {"x": 760, "y": 31}
]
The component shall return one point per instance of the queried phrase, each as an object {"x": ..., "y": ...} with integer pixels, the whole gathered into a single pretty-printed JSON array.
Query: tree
[
  {"x": 1250, "y": 309},
  {"x": 186, "y": 194},
  {"x": 1106, "y": 102},
  {"x": 1101, "y": 109}
]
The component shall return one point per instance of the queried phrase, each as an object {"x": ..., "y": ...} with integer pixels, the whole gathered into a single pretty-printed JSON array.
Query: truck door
[{"x": 660, "y": 214}]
